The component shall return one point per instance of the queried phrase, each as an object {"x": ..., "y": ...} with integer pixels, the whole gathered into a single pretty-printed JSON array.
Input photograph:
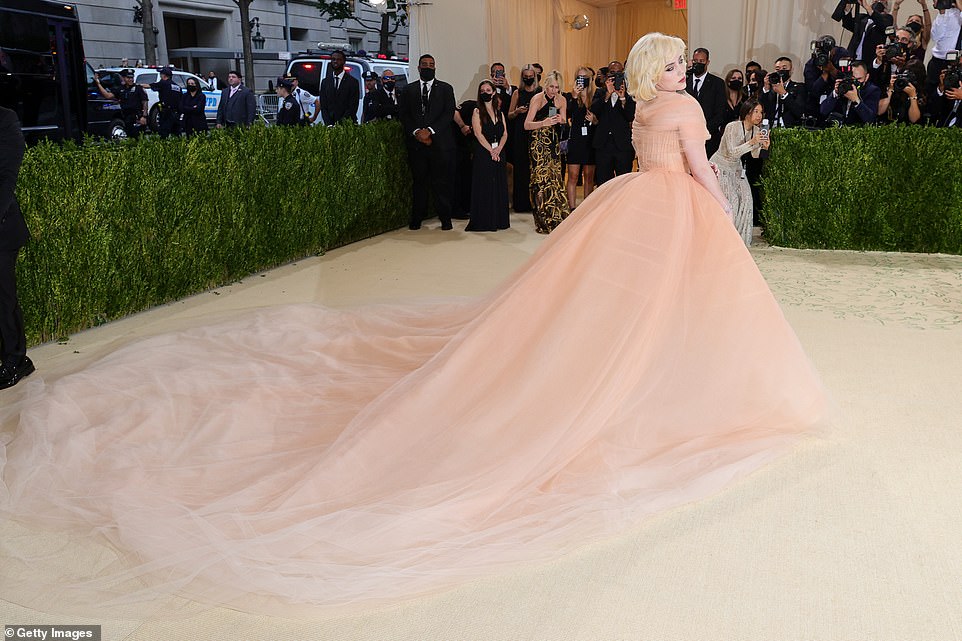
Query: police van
[
  {"x": 312, "y": 66},
  {"x": 110, "y": 77}
]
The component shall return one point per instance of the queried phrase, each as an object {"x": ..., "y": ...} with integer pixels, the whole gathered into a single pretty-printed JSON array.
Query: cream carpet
[{"x": 855, "y": 536}]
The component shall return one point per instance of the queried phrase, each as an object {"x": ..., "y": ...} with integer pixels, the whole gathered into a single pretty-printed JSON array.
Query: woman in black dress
[
  {"x": 735, "y": 92},
  {"x": 581, "y": 151},
  {"x": 521, "y": 139},
  {"x": 489, "y": 180},
  {"x": 192, "y": 107}
]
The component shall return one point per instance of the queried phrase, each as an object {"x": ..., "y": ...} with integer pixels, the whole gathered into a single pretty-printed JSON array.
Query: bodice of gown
[
  {"x": 660, "y": 126},
  {"x": 492, "y": 131}
]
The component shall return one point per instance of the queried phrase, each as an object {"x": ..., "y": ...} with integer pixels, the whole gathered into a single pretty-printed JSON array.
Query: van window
[
  {"x": 400, "y": 72},
  {"x": 308, "y": 74},
  {"x": 148, "y": 78}
]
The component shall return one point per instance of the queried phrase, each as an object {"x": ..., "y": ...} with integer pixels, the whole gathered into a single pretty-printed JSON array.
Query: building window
[
  {"x": 297, "y": 33},
  {"x": 355, "y": 43}
]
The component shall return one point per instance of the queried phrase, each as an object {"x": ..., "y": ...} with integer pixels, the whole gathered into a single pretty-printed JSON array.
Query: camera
[
  {"x": 944, "y": 4},
  {"x": 903, "y": 80},
  {"x": 894, "y": 50},
  {"x": 499, "y": 74},
  {"x": 777, "y": 77},
  {"x": 822, "y": 50},
  {"x": 953, "y": 75},
  {"x": 845, "y": 75}
]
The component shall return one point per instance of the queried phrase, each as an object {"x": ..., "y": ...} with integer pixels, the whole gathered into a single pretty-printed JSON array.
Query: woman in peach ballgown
[{"x": 311, "y": 457}]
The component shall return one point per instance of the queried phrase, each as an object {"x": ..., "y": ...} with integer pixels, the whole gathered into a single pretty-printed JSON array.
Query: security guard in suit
[{"x": 14, "y": 363}]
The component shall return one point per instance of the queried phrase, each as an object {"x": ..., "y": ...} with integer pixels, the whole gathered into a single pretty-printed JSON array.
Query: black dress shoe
[
  {"x": 446, "y": 226},
  {"x": 10, "y": 375}
]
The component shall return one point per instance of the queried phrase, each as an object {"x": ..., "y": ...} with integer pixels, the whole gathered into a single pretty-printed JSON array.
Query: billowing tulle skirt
[{"x": 312, "y": 459}]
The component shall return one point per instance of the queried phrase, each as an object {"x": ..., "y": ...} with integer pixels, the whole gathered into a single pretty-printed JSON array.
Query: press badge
[
  {"x": 744, "y": 174},
  {"x": 494, "y": 145},
  {"x": 584, "y": 130}
]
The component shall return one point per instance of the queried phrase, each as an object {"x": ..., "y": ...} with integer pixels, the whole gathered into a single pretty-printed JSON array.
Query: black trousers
[
  {"x": 934, "y": 68},
  {"x": 433, "y": 171},
  {"x": 168, "y": 124},
  {"x": 611, "y": 161},
  {"x": 13, "y": 340}
]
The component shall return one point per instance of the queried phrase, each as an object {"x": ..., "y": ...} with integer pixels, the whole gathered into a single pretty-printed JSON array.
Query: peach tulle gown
[{"x": 306, "y": 458}]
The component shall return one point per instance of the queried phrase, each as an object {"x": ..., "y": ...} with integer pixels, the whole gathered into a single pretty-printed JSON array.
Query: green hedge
[
  {"x": 118, "y": 228},
  {"x": 892, "y": 188}
]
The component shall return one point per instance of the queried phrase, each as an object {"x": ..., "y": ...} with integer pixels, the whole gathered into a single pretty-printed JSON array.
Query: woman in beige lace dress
[{"x": 741, "y": 137}]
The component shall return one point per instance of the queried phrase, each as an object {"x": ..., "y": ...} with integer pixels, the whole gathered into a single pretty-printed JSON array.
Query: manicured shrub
[
  {"x": 118, "y": 228},
  {"x": 892, "y": 188}
]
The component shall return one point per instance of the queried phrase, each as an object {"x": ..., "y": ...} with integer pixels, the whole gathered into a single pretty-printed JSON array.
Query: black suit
[
  {"x": 239, "y": 110},
  {"x": 861, "y": 24},
  {"x": 13, "y": 236},
  {"x": 790, "y": 109},
  {"x": 432, "y": 166},
  {"x": 340, "y": 103},
  {"x": 613, "y": 151},
  {"x": 945, "y": 111},
  {"x": 379, "y": 106},
  {"x": 714, "y": 103}
]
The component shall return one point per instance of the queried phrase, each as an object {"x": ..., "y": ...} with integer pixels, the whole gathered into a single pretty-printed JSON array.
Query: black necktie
[
  {"x": 697, "y": 82},
  {"x": 424, "y": 97},
  {"x": 337, "y": 83}
]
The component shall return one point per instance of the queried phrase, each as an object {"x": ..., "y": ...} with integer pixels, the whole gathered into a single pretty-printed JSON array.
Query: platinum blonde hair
[
  {"x": 552, "y": 77},
  {"x": 647, "y": 60}
]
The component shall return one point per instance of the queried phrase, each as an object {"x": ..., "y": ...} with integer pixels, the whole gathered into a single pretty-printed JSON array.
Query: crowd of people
[{"x": 528, "y": 147}]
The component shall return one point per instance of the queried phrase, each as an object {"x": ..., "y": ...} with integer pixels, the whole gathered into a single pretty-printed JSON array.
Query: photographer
[
  {"x": 854, "y": 100},
  {"x": 868, "y": 29},
  {"x": 945, "y": 37},
  {"x": 945, "y": 101},
  {"x": 821, "y": 70},
  {"x": 893, "y": 58},
  {"x": 782, "y": 98},
  {"x": 919, "y": 23},
  {"x": 614, "y": 110},
  {"x": 903, "y": 101}
]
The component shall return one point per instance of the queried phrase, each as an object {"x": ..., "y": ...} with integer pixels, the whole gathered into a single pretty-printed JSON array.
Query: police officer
[
  {"x": 132, "y": 99},
  {"x": 377, "y": 104},
  {"x": 289, "y": 111},
  {"x": 168, "y": 102},
  {"x": 310, "y": 104}
]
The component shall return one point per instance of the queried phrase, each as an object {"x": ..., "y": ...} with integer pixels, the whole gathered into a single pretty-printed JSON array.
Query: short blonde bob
[
  {"x": 553, "y": 76},
  {"x": 646, "y": 63}
]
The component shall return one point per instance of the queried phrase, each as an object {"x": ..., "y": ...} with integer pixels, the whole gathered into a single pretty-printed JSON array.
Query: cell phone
[
  {"x": 552, "y": 111},
  {"x": 581, "y": 82}
]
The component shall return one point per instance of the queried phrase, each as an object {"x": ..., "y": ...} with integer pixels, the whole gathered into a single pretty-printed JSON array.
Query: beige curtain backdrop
[
  {"x": 737, "y": 31},
  {"x": 466, "y": 36},
  {"x": 538, "y": 31}
]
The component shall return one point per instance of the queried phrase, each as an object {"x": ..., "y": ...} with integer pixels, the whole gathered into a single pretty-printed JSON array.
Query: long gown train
[{"x": 307, "y": 458}]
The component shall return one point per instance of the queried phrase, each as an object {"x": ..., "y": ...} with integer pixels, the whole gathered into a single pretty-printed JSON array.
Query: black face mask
[
  {"x": 698, "y": 68},
  {"x": 914, "y": 27},
  {"x": 486, "y": 97},
  {"x": 527, "y": 81},
  {"x": 735, "y": 85},
  {"x": 426, "y": 73},
  {"x": 389, "y": 85}
]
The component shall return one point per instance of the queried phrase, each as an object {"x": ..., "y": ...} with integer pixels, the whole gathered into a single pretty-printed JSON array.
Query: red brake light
[
  {"x": 381, "y": 56},
  {"x": 308, "y": 66}
]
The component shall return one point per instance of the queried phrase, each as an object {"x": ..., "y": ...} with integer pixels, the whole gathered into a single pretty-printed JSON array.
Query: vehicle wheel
[
  {"x": 117, "y": 130},
  {"x": 153, "y": 119}
]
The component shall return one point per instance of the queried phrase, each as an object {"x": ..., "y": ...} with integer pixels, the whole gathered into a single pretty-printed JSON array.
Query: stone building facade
[{"x": 206, "y": 36}]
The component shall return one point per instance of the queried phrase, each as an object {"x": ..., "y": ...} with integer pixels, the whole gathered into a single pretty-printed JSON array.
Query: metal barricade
[{"x": 267, "y": 105}]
